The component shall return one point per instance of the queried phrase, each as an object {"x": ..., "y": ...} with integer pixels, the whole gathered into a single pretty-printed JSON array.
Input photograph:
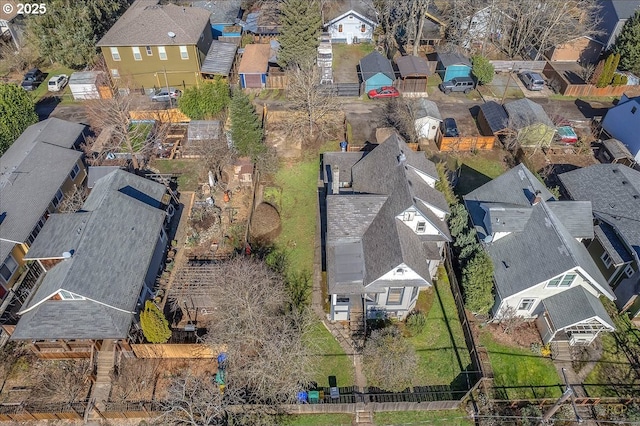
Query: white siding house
[{"x": 351, "y": 21}]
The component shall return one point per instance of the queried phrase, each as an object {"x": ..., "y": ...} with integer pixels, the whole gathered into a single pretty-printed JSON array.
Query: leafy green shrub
[
  {"x": 482, "y": 69},
  {"x": 155, "y": 326},
  {"x": 206, "y": 101},
  {"x": 416, "y": 322}
]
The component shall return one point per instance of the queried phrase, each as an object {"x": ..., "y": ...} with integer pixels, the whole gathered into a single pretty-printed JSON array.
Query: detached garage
[
  {"x": 254, "y": 66},
  {"x": 376, "y": 71}
]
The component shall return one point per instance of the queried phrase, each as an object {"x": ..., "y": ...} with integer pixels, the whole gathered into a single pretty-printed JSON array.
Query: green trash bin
[{"x": 314, "y": 397}]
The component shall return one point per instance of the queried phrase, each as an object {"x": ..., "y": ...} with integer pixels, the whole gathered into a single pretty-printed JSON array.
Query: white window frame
[
  {"x": 115, "y": 72},
  {"x": 408, "y": 216},
  {"x": 414, "y": 293},
  {"x": 342, "y": 299},
  {"x": 184, "y": 52},
  {"x": 12, "y": 270},
  {"x": 527, "y": 304},
  {"x": 561, "y": 281},
  {"x": 67, "y": 295},
  {"x": 421, "y": 226},
  {"x": 395, "y": 293},
  {"x": 137, "y": 56},
  {"x": 115, "y": 55},
  {"x": 162, "y": 53},
  {"x": 629, "y": 271},
  {"x": 74, "y": 172},
  {"x": 606, "y": 260},
  {"x": 149, "y": 50}
]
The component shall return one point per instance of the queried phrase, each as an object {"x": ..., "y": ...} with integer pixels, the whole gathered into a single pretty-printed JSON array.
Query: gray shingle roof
[
  {"x": 426, "y": 108},
  {"x": 145, "y": 190},
  {"x": 576, "y": 216},
  {"x": 625, "y": 8},
  {"x": 365, "y": 226},
  {"x": 222, "y": 11},
  {"x": 614, "y": 192},
  {"x": 374, "y": 63},
  {"x": 573, "y": 306},
  {"x": 219, "y": 58},
  {"x": 524, "y": 112},
  {"x": 31, "y": 172},
  {"x": 364, "y": 8},
  {"x": 496, "y": 116},
  {"x": 146, "y": 23},
  {"x": 412, "y": 66},
  {"x": 612, "y": 243},
  {"x": 543, "y": 248},
  {"x": 344, "y": 161},
  {"x": 448, "y": 59},
  {"x": 115, "y": 241}
]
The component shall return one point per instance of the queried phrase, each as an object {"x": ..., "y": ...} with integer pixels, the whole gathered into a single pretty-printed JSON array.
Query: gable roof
[
  {"x": 112, "y": 242},
  {"x": 341, "y": 8},
  {"x": 448, "y": 59},
  {"x": 31, "y": 171},
  {"x": 221, "y": 11},
  {"x": 542, "y": 246},
  {"x": 623, "y": 123},
  {"x": 374, "y": 63},
  {"x": 412, "y": 66},
  {"x": 573, "y": 306},
  {"x": 614, "y": 192},
  {"x": 524, "y": 112},
  {"x": 147, "y": 23},
  {"x": 363, "y": 229},
  {"x": 342, "y": 161},
  {"x": 426, "y": 108},
  {"x": 255, "y": 59},
  {"x": 495, "y": 115}
]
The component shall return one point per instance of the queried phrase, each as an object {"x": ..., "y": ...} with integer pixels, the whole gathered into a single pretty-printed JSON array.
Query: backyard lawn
[
  {"x": 476, "y": 169},
  {"x": 329, "y": 358},
  {"x": 42, "y": 89},
  {"x": 346, "y": 58},
  {"x": 448, "y": 418},
  {"x": 442, "y": 352},
  {"x": 521, "y": 367},
  {"x": 188, "y": 169}
]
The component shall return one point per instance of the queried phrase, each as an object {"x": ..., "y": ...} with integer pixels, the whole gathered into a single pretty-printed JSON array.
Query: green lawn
[
  {"x": 298, "y": 200},
  {"x": 521, "y": 367},
  {"x": 329, "y": 358},
  {"x": 139, "y": 134},
  {"x": 42, "y": 89},
  {"x": 441, "y": 358},
  {"x": 318, "y": 420},
  {"x": 188, "y": 169},
  {"x": 444, "y": 418},
  {"x": 475, "y": 170}
]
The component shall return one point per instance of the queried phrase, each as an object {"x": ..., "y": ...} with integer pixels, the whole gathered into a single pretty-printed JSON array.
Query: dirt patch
[
  {"x": 346, "y": 58},
  {"x": 265, "y": 224},
  {"x": 521, "y": 337}
]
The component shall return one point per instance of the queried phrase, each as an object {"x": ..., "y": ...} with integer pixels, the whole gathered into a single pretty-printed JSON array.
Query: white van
[{"x": 57, "y": 82}]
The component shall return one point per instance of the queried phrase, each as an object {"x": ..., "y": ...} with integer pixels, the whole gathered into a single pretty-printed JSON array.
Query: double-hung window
[
  {"x": 395, "y": 296},
  {"x": 162, "y": 53},
  {"x": 184, "y": 53},
  {"x": 136, "y": 53},
  {"x": 115, "y": 55}
]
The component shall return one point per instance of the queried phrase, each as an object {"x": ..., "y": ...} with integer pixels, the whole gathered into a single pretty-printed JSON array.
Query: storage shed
[
  {"x": 376, "y": 71},
  {"x": 533, "y": 125},
  {"x": 254, "y": 66},
  {"x": 452, "y": 65},
  {"x": 219, "y": 59},
  {"x": 427, "y": 118},
  {"x": 414, "y": 72},
  {"x": 201, "y": 134},
  {"x": 492, "y": 118},
  {"x": 87, "y": 85},
  {"x": 614, "y": 151}
]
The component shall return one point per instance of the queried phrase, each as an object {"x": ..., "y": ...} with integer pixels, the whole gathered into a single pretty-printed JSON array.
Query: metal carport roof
[{"x": 219, "y": 58}]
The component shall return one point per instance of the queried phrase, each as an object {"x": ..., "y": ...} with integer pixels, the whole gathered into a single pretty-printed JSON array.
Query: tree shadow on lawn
[{"x": 469, "y": 179}]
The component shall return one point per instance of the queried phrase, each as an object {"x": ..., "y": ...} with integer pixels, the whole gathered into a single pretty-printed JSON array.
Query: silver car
[
  {"x": 532, "y": 80},
  {"x": 163, "y": 95}
]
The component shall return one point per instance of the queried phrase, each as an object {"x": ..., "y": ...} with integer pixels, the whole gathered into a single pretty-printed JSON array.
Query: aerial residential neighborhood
[{"x": 314, "y": 213}]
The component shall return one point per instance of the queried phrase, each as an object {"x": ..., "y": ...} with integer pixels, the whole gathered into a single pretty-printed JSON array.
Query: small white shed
[
  {"x": 84, "y": 85},
  {"x": 427, "y": 118}
]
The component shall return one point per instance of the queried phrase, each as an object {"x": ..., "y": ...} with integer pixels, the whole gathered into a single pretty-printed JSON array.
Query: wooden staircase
[
  {"x": 364, "y": 417},
  {"x": 102, "y": 387},
  {"x": 357, "y": 324}
]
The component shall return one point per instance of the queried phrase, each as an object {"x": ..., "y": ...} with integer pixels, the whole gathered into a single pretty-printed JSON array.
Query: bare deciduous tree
[
  {"x": 399, "y": 115},
  {"x": 60, "y": 380},
  {"x": 389, "y": 361},
  {"x": 73, "y": 200},
  {"x": 133, "y": 376},
  {"x": 312, "y": 106},
  {"x": 510, "y": 320}
]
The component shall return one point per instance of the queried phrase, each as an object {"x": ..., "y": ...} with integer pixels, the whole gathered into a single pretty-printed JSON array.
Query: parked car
[
  {"x": 383, "y": 92},
  {"x": 532, "y": 80},
  {"x": 57, "y": 82},
  {"x": 458, "y": 84},
  {"x": 449, "y": 128},
  {"x": 163, "y": 95},
  {"x": 32, "y": 79}
]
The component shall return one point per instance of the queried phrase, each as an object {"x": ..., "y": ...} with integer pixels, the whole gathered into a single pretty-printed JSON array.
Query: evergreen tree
[
  {"x": 610, "y": 66},
  {"x": 477, "y": 282},
  {"x": 206, "y": 101},
  {"x": 628, "y": 44},
  {"x": 301, "y": 23},
  {"x": 155, "y": 326},
  {"x": 246, "y": 128},
  {"x": 17, "y": 112}
]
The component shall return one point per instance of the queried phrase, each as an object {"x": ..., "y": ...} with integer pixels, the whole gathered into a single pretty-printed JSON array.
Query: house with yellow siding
[
  {"x": 153, "y": 45},
  {"x": 39, "y": 168}
]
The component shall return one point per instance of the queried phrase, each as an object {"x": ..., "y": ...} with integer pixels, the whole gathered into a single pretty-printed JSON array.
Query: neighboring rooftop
[
  {"x": 222, "y": 11},
  {"x": 147, "y": 23},
  {"x": 412, "y": 66},
  {"x": 340, "y": 8},
  {"x": 524, "y": 112},
  {"x": 572, "y": 306},
  {"x": 448, "y": 59},
  {"x": 255, "y": 59},
  {"x": 374, "y": 63},
  {"x": 219, "y": 59},
  {"x": 426, "y": 108},
  {"x": 496, "y": 116}
]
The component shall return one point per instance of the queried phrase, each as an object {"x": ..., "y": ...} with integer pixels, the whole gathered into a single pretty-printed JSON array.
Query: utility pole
[
  {"x": 166, "y": 82},
  {"x": 568, "y": 393},
  {"x": 506, "y": 88}
]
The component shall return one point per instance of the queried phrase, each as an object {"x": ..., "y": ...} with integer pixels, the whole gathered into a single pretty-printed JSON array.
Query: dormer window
[
  {"x": 409, "y": 216},
  {"x": 67, "y": 295},
  {"x": 421, "y": 227},
  {"x": 399, "y": 271}
]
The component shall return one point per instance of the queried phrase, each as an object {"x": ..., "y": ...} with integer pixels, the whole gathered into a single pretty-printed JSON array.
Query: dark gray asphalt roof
[
  {"x": 349, "y": 216},
  {"x": 524, "y": 112},
  {"x": 577, "y": 216},
  {"x": 507, "y": 217},
  {"x": 31, "y": 172},
  {"x": 627, "y": 291},
  {"x": 612, "y": 243},
  {"x": 625, "y": 8},
  {"x": 573, "y": 306},
  {"x": 412, "y": 66},
  {"x": 108, "y": 268},
  {"x": 496, "y": 115},
  {"x": 96, "y": 172},
  {"x": 219, "y": 59},
  {"x": 344, "y": 161},
  {"x": 222, "y": 11},
  {"x": 375, "y": 63},
  {"x": 145, "y": 190},
  {"x": 364, "y": 8},
  {"x": 345, "y": 267},
  {"x": 614, "y": 192},
  {"x": 617, "y": 148},
  {"x": 426, "y": 108},
  {"x": 146, "y": 23},
  {"x": 543, "y": 249},
  {"x": 448, "y": 59},
  {"x": 62, "y": 234}
]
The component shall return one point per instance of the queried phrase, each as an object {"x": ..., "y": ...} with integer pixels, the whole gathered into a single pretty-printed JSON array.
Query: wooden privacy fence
[
  {"x": 173, "y": 115},
  {"x": 502, "y": 66},
  {"x": 189, "y": 350},
  {"x": 52, "y": 411},
  {"x": 277, "y": 81},
  {"x": 465, "y": 143},
  {"x": 562, "y": 85}
]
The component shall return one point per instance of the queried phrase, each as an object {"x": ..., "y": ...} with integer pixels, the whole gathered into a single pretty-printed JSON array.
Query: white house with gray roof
[
  {"x": 35, "y": 173},
  {"x": 542, "y": 270},
  {"x": 622, "y": 122},
  {"x": 385, "y": 229},
  {"x": 349, "y": 21},
  {"x": 102, "y": 262},
  {"x": 614, "y": 192}
]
